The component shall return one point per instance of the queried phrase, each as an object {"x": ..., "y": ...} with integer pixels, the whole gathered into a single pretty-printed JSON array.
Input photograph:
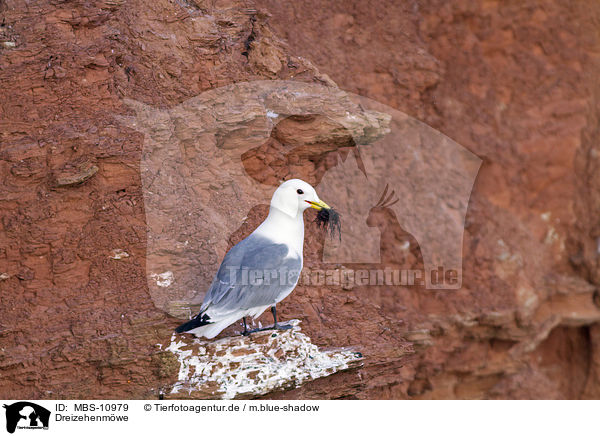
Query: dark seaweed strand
[{"x": 329, "y": 219}]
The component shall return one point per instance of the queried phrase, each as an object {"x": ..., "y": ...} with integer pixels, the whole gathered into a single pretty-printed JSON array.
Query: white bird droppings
[
  {"x": 164, "y": 280},
  {"x": 239, "y": 366},
  {"x": 119, "y": 254}
]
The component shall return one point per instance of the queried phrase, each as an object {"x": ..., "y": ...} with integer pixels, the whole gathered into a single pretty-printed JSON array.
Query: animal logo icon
[{"x": 26, "y": 415}]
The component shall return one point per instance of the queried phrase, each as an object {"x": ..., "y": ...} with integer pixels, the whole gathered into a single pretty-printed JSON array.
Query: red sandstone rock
[{"x": 515, "y": 84}]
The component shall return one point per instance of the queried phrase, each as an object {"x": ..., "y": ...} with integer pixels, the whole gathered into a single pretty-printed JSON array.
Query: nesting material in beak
[{"x": 329, "y": 219}]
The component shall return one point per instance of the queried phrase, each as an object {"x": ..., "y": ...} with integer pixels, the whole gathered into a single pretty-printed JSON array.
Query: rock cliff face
[
  {"x": 513, "y": 83},
  {"x": 516, "y": 84}
]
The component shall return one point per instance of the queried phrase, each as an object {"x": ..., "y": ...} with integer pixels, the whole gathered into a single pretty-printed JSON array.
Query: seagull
[{"x": 261, "y": 270}]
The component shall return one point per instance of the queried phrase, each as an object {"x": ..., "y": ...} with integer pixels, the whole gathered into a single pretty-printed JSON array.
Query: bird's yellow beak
[{"x": 318, "y": 204}]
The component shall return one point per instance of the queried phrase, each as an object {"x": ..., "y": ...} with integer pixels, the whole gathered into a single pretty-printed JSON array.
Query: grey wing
[{"x": 254, "y": 273}]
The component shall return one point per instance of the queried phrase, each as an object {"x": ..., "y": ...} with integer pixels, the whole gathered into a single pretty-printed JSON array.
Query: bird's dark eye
[{"x": 300, "y": 191}]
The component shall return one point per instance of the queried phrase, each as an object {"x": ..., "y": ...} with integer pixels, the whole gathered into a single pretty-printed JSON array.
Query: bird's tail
[{"x": 198, "y": 321}]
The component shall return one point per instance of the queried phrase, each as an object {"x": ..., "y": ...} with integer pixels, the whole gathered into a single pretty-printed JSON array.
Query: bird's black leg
[
  {"x": 275, "y": 325},
  {"x": 245, "y": 332},
  {"x": 274, "y": 312}
]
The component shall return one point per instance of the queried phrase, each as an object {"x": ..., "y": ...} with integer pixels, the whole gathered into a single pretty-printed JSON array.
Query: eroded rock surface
[
  {"x": 250, "y": 366},
  {"x": 513, "y": 82}
]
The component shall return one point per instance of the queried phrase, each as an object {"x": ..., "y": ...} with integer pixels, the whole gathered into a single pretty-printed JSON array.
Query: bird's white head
[{"x": 295, "y": 196}]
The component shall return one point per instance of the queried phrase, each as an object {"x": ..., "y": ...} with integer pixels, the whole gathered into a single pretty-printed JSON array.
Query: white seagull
[{"x": 261, "y": 270}]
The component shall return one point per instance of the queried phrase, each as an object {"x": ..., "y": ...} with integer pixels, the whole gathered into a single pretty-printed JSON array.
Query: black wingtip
[
  {"x": 198, "y": 321},
  {"x": 182, "y": 328}
]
